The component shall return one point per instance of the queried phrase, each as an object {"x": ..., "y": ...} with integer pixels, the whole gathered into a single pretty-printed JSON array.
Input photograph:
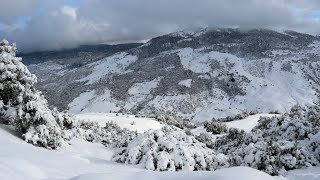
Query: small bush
[
  {"x": 207, "y": 139},
  {"x": 170, "y": 149},
  {"x": 110, "y": 135},
  {"x": 215, "y": 127}
]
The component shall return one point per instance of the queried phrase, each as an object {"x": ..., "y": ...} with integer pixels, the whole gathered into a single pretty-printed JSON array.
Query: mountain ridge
[{"x": 228, "y": 71}]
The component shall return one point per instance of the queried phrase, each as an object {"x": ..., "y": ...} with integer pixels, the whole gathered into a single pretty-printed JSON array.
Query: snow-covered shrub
[
  {"x": 229, "y": 142},
  {"x": 38, "y": 124},
  {"x": 173, "y": 120},
  {"x": 273, "y": 157},
  {"x": 120, "y": 137},
  {"x": 169, "y": 119},
  {"x": 110, "y": 135},
  {"x": 274, "y": 112},
  {"x": 276, "y": 144},
  {"x": 241, "y": 115},
  {"x": 314, "y": 145},
  {"x": 215, "y": 127},
  {"x": 188, "y": 124},
  {"x": 169, "y": 149},
  {"x": 206, "y": 138}
]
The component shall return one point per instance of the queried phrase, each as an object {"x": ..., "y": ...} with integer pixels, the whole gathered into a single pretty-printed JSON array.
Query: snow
[
  {"x": 111, "y": 65},
  {"x": 191, "y": 32},
  {"x": 89, "y": 161},
  {"x": 241, "y": 173},
  {"x": 91, "y": 102},
  {"x": 103, "y": 103},
  {"x": 140, "y": 92},
  {"x": 195, "y": 62},
  {"x": 124, "y": 121},
  {"x": 186, "y": 83},
  {"x": 185, "y": 40},
  {"x": 276, "y": 85},
  {"x": 198, "y": 130},
  {"x": 178, "y": 103},
  {"x": 269, "y": 88},
  {"x": 283, "y": 31},
  {"x": 42, "y": 69},
  {"x": 81, "y": 101},
  {"x": 314, "y": 48},
  {"x": 83, "y": 161},
  {"x": 144, "y": 87},
  {"x": 279, "y": 52},
  {"x": 248, "y": 123},
  {"x": 312, "y": 173},
  {"x": 20, "y": 160}
]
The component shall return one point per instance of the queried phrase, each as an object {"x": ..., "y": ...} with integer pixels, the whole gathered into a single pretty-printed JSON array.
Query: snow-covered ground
[
  {"x": 113, "y": 64},
  {"x": 248, "y": 123},
  {"x": 124, "y": 121},
  {"x": 240, "y": 173},
  {"x": 267, "y": 85},
  {"x": 88, "y": 161},
  {"x": 186, "y": 83},
  {"x": 82, "y": 160},
  {"x": 304, "y": 174},
  {"x": 20, "y": 160}
]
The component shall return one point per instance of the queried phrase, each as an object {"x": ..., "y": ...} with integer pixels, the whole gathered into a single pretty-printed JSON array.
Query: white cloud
[{"x": 70, "y": 11}]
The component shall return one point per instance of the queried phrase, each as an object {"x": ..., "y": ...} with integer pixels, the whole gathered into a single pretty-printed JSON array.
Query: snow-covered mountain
[
  {"x": 276, "y": 144},
  {"x": 193, "y": 74}
]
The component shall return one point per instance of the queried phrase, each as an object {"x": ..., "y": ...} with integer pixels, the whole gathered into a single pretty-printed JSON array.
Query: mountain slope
[{"x": 193, "y": 74}]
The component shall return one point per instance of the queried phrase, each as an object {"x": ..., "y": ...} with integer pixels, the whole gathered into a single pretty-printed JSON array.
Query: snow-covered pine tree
[{"x": 27, "y": 107}]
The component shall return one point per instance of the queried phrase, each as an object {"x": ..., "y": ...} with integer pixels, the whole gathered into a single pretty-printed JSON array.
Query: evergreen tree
[{"x": 32, "y": 117}]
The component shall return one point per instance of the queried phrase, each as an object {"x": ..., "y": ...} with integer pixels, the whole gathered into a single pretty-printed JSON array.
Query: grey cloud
[
  {"x": 100, "y": 21},
  {"x": 11, "y": 9}
]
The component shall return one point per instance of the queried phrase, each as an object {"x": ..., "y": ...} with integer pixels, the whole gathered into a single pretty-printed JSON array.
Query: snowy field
[
  {"x": 248, "y": 123},
  {"x": 82, "y": 160},
  {"x": 86, "y": 161},
  {"x": 124, "y": 121}
]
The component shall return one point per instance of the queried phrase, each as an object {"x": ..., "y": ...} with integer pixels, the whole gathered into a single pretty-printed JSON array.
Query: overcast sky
[{"x": 55, "y": 24}]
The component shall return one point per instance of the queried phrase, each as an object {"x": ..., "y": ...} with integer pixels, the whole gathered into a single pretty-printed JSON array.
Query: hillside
[
  {"x": 43, "y": 143},
  {"x": 193, "y": 74},
  {"x": 81, "y": 160}
]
